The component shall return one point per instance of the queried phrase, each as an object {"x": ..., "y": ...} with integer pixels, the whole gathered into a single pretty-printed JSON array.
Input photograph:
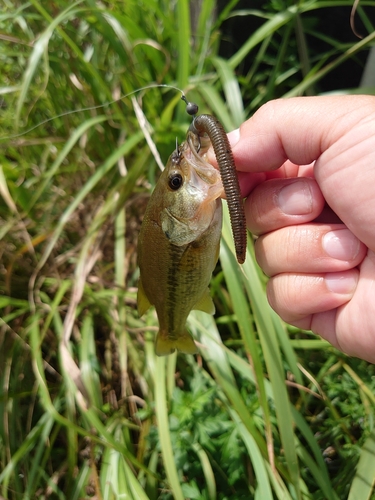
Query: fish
[{"x": 178, "y": 244}]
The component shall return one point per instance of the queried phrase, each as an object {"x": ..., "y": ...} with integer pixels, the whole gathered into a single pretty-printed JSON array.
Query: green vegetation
[{"x": 87, "y": 410}]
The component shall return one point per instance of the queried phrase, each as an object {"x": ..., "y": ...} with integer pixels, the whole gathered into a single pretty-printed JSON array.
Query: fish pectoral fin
[
  {"x": 142, "y": 301},
  {"x": 205, "y": 303},
  {"x": 164, "y": 345}
]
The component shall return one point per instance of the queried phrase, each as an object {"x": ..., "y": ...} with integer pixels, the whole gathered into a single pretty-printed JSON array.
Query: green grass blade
[
  {"x": 161, "y": 408},
  {"x": 363, "y": 485},
  {"x": 183, "y": 22},
  {"x": 207, "y": 471},
  {"x": 62, "y": 156},
  {"x": 120, "y": 277},
  {"x": 116, "y": 476},
  {"x": 183, "y": 44},
  {"x": 231, "y": 89},
  {"x": 264, "y": 490},
  {"x": 5, "y": 193},
  {"x": 244, "y": 317},
  {"x": 214, "y": 353},
  {"x": 40, "y": 431},
  {"x": 88, "y": 363},
  {"x": 267, "y": 29},
  {"x": 315, "y": 463},
  {"x": 39, "y": 49},
  {"x": 270, "y": 344},
  {"x": 81, "y": 482},
  {"x": 215, "y": 102},
  {"x": 203, "y": 33},
  {"x": 311, "y": 79},
  {"x": 87, "y": 188}
]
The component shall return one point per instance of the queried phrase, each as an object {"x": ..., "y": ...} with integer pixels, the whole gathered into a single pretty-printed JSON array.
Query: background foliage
[{"x": 87, "y": 410}]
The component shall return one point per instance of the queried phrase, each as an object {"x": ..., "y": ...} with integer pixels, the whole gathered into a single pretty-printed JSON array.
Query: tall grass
[{"x": 87, "y": 409}]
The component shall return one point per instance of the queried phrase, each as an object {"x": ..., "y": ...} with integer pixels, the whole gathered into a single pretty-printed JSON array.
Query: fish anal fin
[
  {"x": 164, "y": 345},
  {"x": 142, "y": 301},
  {"x": 205, "y": 303}
]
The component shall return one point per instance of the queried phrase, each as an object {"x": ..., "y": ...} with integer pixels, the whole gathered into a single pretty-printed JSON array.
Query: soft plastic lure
[{"x": 208, "y": 124}]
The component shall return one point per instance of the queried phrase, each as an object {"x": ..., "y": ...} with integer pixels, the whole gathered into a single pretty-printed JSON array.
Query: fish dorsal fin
[
  {"x": 142, "y": 301},
  {"x": 205, "y": 303}
]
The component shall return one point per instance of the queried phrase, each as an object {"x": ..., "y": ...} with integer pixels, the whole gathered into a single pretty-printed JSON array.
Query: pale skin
[{"x": 307, "y": 171}]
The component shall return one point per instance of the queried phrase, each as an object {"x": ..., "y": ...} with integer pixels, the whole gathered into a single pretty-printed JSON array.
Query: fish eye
[{"x": 175, "y": 181}]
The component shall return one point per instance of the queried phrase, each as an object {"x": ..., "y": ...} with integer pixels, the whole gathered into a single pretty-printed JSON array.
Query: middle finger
[{"x": 309, "y": 248}]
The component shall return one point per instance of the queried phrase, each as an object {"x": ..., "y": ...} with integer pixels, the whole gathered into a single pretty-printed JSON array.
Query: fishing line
[{"x": 91, "y": 108}]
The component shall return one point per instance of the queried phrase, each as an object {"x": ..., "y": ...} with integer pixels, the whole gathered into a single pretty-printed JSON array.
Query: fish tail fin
[{"x": 164, "y": 345}]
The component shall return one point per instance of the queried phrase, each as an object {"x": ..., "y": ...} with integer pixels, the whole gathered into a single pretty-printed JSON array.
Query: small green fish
[{"x": 178, "y": 244}]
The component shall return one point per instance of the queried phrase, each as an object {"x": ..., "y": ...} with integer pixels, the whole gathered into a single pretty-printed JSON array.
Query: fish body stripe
[{"x": 172, "y": 296}]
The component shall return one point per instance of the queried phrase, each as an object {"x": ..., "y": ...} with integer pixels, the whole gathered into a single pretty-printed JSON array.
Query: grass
[{"x": 88, "y": 410}]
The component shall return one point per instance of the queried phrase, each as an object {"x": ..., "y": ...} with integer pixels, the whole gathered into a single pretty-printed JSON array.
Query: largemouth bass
[{"x": 178, "y": 244}]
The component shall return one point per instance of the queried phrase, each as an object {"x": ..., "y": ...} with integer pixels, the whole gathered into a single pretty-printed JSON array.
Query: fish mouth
[{"x": 194, "y": 151}]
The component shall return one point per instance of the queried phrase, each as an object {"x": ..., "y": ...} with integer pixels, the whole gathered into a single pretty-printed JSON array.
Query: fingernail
[
  {"x": 296, "y": 198},
  {"x": 341, "y": 244},
  {"x": 339, "y": 283},
  {"x": 234, "y": 137}
]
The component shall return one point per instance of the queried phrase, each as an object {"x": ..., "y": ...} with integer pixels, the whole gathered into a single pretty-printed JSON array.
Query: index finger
[{"x": 298, "y": 129}]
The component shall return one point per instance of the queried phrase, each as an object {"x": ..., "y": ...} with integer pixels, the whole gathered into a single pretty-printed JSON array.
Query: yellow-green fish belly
[{"x": 175, "y": 280}]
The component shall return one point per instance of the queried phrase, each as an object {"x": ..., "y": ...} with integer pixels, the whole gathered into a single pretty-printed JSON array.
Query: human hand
[{"x": 311, "y": 201}]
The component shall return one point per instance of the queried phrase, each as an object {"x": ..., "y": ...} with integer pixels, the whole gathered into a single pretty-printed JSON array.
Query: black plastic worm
[{"x": 212, "y": 127}]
